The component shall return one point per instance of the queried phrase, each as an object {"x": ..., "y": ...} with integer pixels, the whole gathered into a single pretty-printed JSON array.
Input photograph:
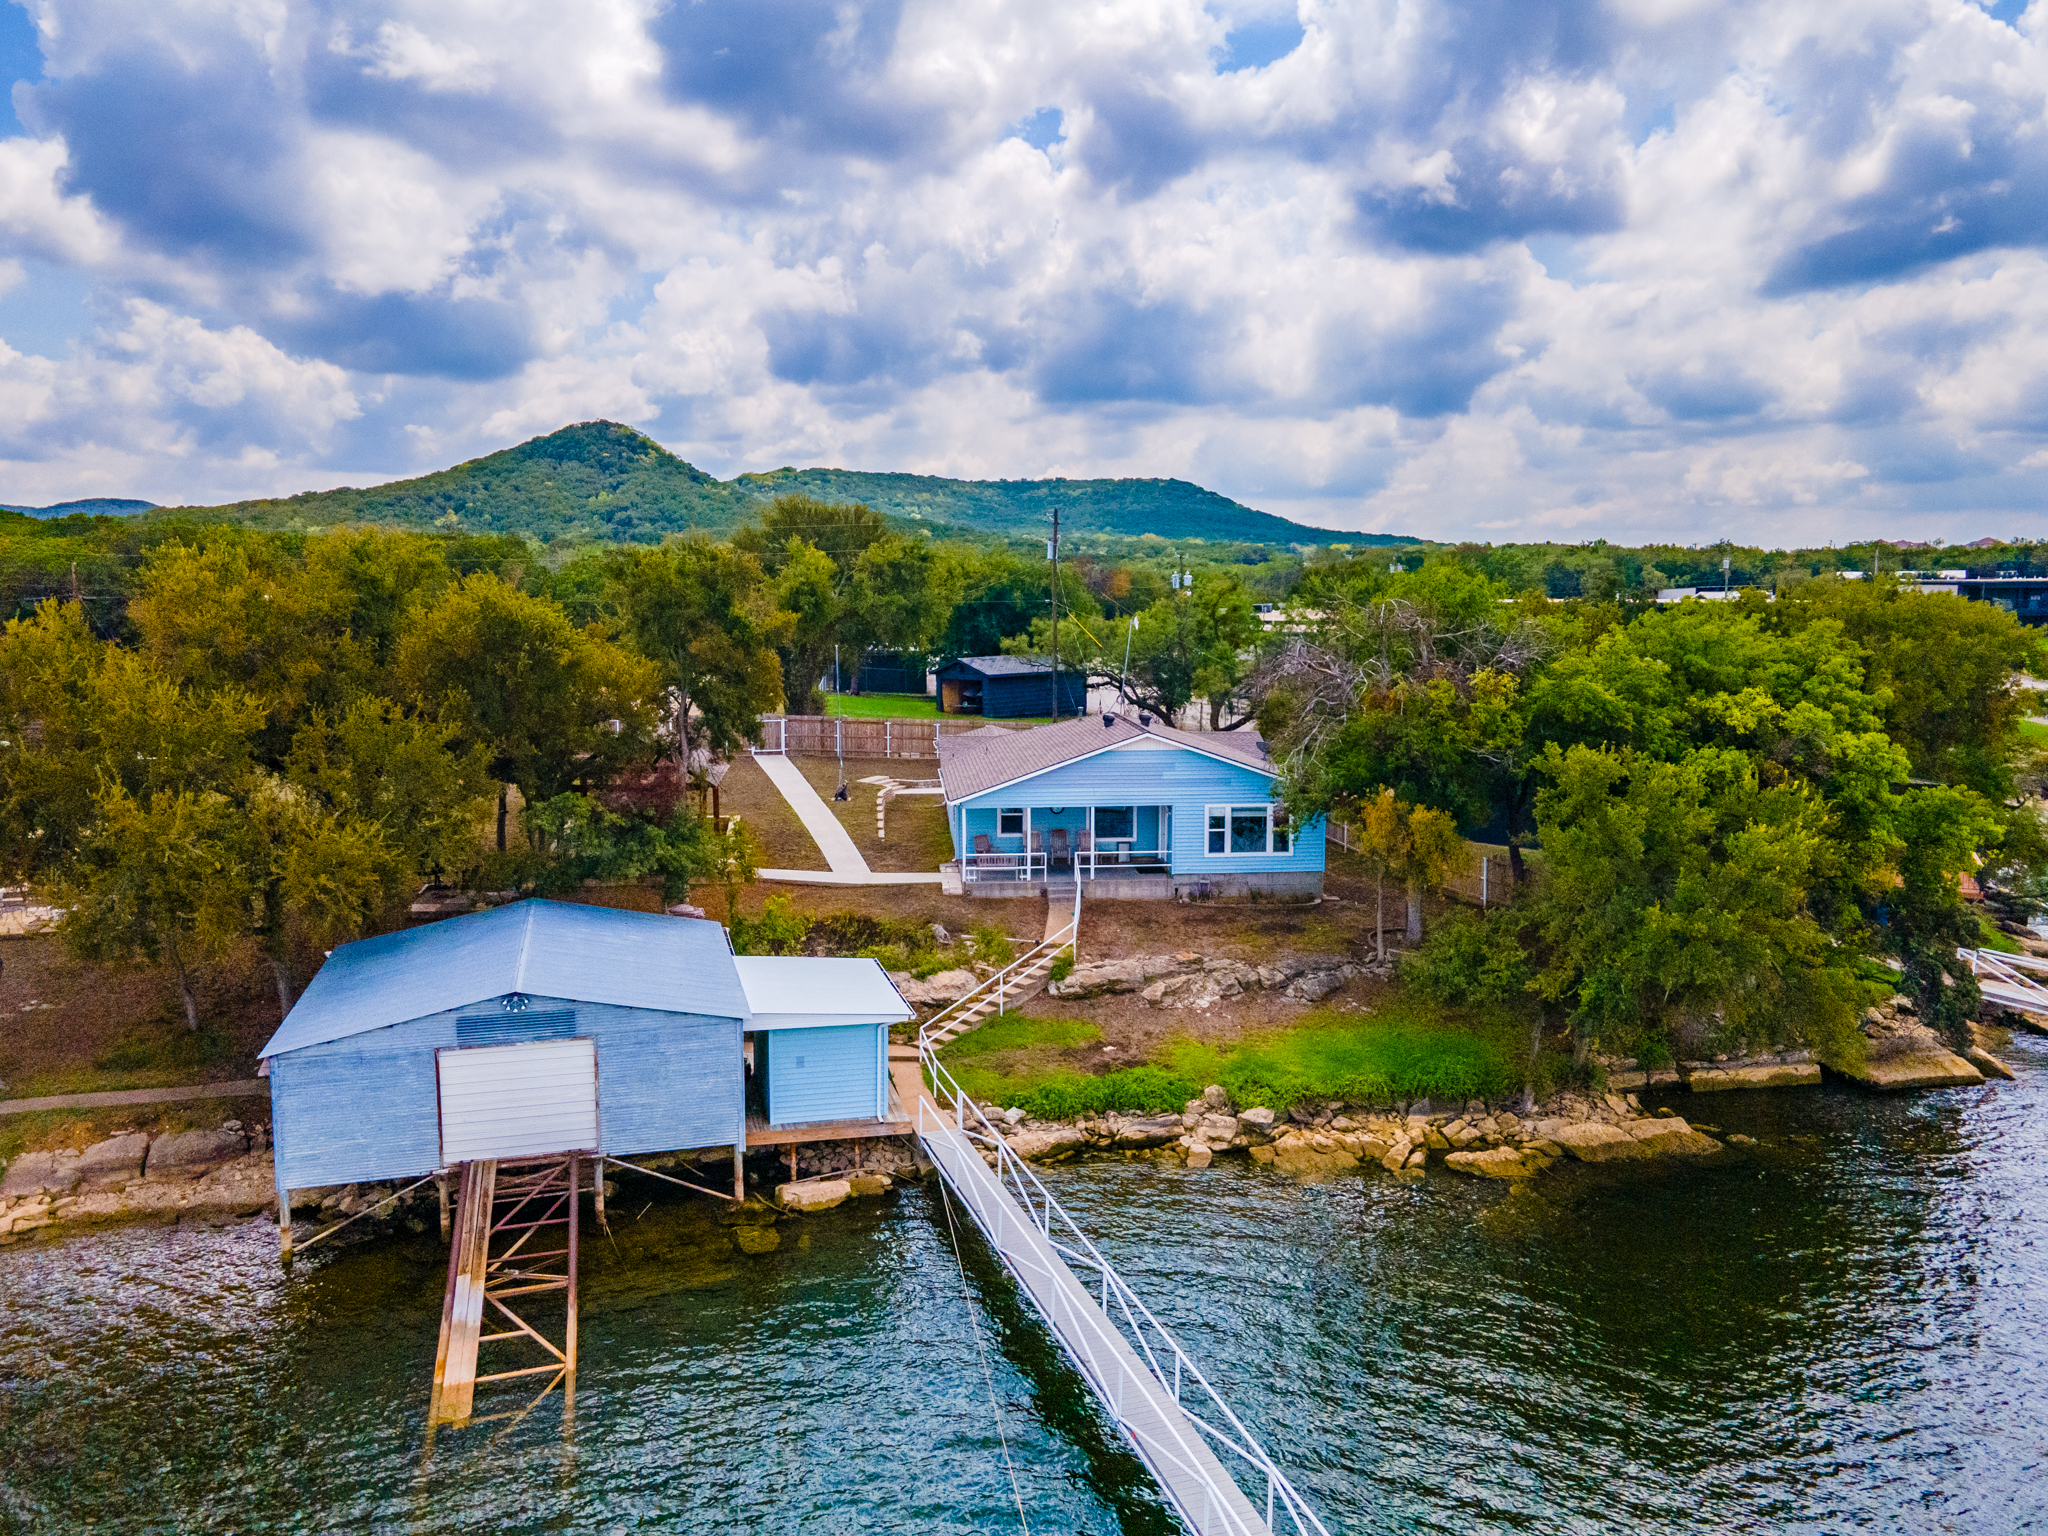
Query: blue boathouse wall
[
  {"x": 367, "y": 1107},
  {"x": 833, "y": 1072}
]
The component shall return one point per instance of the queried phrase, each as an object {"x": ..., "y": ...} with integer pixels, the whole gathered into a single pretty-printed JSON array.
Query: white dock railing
[
  {"x": 1158, "y": 1397},
  {"x": 2019, "y": 982},
  {"x": 957, "y": 1016}
]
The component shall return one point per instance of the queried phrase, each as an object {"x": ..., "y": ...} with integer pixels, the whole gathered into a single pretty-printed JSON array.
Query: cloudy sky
[{"x": 1495, "y": 269}]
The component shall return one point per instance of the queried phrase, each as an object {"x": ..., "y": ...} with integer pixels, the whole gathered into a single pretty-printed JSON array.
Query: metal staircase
[{"x": 1017, "y": 979}]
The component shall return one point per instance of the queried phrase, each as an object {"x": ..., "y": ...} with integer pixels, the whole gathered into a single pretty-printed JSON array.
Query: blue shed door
[{"x": 826, "y": 1074}]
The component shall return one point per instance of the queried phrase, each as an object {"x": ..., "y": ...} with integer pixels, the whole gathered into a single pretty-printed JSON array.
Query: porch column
[
  {"x": 1091, "y": 847},
  {"x": 1027, "y": 840}
]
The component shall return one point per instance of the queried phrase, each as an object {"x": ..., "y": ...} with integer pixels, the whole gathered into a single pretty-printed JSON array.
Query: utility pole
[
  {"x": 1052, "y": 553},
  {"x": 1724, "y": 575}
]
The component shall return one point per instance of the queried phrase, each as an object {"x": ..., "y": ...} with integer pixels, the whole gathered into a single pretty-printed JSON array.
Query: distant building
[
  {"x": 1008, "y": 688},
  {"x": 2024, "y": 597}
]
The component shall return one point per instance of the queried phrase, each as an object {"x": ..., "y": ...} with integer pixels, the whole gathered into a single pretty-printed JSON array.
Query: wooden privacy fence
[{"x": 838, "y": 736}]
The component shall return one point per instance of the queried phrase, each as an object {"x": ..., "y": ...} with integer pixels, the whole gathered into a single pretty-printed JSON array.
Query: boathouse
[
  {"x": 819, "y": 1036},
  {"x": 1008, "y": 688},
  {"x": 1126, "y": 806},
  {"x": 544, "y": 1027}
]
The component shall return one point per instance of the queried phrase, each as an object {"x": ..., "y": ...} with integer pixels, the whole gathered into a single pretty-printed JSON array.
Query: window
[
  {"x": 1010, "y": 823},
  {"x": 1248, "y": 829},
  {"x": 1115, "y": 821}
]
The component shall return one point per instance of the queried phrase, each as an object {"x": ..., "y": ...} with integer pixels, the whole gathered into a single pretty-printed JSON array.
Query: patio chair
[
  {"x": 1084, "y": 843},
  {"x": 1060, "y": 855}
]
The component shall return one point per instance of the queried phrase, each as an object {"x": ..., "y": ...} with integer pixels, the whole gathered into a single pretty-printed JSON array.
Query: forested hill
[{"x": 602, "y": 481}]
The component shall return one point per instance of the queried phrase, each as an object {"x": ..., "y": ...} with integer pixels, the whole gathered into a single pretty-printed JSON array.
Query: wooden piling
[
  {"x": 569, "y": 1337},
  {"x": 441, "y": 1186}
]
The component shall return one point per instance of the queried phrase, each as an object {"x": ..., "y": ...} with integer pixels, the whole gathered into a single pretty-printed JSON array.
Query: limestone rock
[
  {"x": 869, "y": 1183},
  {"x": 811, "y": 1195},
  {"x": 33, "y": 1173},
  {"x": 1150, "y": 1132},
  {"x": 1259, "y": 1119},
  {"x": 757, "y": 1239},
  {"x": 1217, "y": 1130},
  {"x": 116, "y": 1161},
  {"x": 188, "y": 1154},
  {"x": 1047, "y": 1143},
  {"x": 1106, "y": 976},
  {"x": 1499, "y": 1163},
  {"x": 1591, "y": 1141},
  {"x": 940, "y": 987},
  {"x": 1300, "y": 1154},
  {"x": 1216, "y": 1099},
  {"x": 1987, "y": 1063},
  {"x": 1771, "y": 1074},
  {"x": 1932, "y": 1068},
  {"x": 1670, "y": 1134},
  {"x": 1200, "y": 1156},
  {"x": 1314, "y": 986}
]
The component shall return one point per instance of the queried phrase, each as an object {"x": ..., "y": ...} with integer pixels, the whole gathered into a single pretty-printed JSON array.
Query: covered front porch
[{"x": 1013, "y": 846}]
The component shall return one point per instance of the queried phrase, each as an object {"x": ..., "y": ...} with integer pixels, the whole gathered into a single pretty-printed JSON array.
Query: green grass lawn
[
  {"x": 1993, "y": 939},
  {"x": 901, "y": 706},
  {"x": 1402, "y": 1053},
  {"x": 2033, "y": 733}
]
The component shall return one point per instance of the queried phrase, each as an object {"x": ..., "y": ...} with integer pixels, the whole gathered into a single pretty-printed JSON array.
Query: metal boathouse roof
[{"x": 542, "y": 948}]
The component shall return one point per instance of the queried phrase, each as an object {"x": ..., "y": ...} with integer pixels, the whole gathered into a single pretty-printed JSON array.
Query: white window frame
[
  {"x": 1002, "y": 815},
  {"x": 1275, "y": 817}
]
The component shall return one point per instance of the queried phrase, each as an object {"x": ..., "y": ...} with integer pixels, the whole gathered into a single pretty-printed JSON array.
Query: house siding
[
  {"x": 1187, "y": 781},
  {"x": 368, "y": 1107},
  {"x": 842, "y": 1076},
  {"x": 1021, "y": 695}
]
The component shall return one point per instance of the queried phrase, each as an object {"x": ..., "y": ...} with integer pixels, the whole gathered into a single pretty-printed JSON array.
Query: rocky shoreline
[{"x": 1493, "y": 1141}]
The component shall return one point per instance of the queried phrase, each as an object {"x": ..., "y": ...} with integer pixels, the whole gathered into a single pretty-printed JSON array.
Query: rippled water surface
[{"x": 1846, "y": 1330}]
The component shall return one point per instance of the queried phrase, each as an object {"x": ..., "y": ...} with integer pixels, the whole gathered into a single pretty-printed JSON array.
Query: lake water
[{"x": 1844, "y": 1331}]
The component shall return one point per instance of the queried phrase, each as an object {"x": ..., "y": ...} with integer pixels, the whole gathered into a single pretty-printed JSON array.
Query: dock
[
  {"x": 1139, "y": 1374},
  {"x": 506, "y": 1215}
]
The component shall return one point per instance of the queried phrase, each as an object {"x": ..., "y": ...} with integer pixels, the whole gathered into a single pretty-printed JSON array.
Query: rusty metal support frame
[{"x": 509, "y": 1259}]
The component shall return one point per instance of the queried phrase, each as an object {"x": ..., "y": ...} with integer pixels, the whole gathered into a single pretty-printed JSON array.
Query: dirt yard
[{"x": 917, "y": 839}]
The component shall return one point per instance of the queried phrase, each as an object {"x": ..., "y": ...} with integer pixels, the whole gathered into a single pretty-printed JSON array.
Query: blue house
[
  {"x": 545, "y": 1027},
  {"x": 1130, "y": 808},
  {"x": 1008, "y": 688}
]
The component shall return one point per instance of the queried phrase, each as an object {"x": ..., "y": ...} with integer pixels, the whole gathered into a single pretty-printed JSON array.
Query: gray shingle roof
[
  {"x": 1003, "y": 666},
  {"x": 979, "y": 761},
  {"x": 542, "y": 948}
]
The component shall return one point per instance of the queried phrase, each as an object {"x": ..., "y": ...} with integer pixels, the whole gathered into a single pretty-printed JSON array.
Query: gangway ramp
[{"x": 1176, "y": 1422}]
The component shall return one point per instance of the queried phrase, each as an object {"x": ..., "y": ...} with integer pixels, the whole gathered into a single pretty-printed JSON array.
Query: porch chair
[
  {"x": 1084, "y": 843},
  {"x": 1059, "y": 849}
]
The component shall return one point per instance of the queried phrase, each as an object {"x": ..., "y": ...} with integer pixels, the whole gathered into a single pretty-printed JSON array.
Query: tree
[
  {"x": 157, "y": 880},
  {"x": 1676, "y": 892},
  {"x": 1940, "y": 831},
  {"x": 411, "y": 777},
  {"x": 556, "y": 707},
  {"x": 586, "y": 841},
  {"x": 901, "y": 597},
  {"x": 807, "y": 587},
  {"x": 1415, "y": 846},
  {"x": 841, "y": 530},
  {"x": 706, "y": 616}
]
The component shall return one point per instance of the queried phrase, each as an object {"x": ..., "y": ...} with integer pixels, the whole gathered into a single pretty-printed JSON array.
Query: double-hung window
[
  {"x": 1248, "y": 829},
  {"x": 1010, "y": 823}
]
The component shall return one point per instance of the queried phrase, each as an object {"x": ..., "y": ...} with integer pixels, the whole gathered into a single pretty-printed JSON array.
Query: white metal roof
[{"x": 813, "y": 992}]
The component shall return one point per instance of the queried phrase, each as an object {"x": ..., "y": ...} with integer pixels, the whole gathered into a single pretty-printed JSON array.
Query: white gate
[{"x": 527, "y": 1100}]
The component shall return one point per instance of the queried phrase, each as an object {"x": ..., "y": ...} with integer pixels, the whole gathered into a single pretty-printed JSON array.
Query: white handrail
[
  {"x": 1152, "y": 1340},
  {"x": 1070, "y": 934}
]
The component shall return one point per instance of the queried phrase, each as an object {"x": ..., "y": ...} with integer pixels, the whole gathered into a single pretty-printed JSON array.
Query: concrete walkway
[
  {"x": 833, "y": 840},
  {"x": 838, "y": 877},
  {"x": 248, "y": 1088}
]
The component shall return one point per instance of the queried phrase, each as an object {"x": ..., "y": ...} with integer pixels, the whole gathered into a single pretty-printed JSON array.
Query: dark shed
[{"x": 1008, "y": 688}]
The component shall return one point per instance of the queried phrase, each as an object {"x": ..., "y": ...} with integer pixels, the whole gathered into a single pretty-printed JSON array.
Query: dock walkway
[{"x": 1166, "y": 1438}]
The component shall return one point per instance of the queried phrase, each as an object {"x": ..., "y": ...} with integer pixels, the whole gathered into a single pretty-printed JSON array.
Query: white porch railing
[{"x": 1020, "y": 865}]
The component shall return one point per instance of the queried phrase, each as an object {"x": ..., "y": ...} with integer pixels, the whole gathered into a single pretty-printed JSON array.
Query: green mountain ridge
[{"x": 602, "y": 482}]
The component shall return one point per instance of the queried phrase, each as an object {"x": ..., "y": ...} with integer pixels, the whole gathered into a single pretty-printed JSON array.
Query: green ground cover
[
  {"x": 901, "y": 706},
  {"x": 1991, "y": 938},
  {"x": 1403, "y": 1053}
]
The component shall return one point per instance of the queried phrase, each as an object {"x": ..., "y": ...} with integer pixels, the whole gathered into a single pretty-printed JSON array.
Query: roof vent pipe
[
  {"x": 1108, "y": 720},
  {"x": 1144, "y": 719}
]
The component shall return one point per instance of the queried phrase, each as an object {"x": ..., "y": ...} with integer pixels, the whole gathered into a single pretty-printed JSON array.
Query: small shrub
[
  {"x": 1063, "y": 967},
  {"x": 1128, "y": 1091},
  {"x": 1654, "y": 1054},
  {"x": 992, "y": 946},
  {"x": 779, "y": 930}
]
